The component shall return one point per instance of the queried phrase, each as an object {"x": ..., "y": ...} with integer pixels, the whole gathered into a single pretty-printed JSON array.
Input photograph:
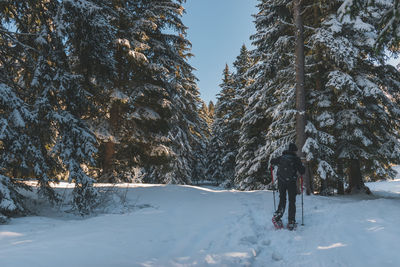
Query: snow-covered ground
[{"x": 193, "y": 226}]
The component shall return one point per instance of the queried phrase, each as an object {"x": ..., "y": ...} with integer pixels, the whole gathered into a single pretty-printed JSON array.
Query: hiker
[{"x": 289, "y": 164}]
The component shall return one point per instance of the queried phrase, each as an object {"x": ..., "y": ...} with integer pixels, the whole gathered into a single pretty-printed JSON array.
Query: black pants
[{"x": 291, "y": 188}]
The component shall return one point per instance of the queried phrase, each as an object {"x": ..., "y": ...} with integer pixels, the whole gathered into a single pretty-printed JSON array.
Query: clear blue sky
[{"x": 217, "y": 30}]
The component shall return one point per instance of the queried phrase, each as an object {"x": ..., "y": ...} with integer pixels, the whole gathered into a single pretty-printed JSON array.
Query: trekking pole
[
  {"x": 273, "y": 187},
  {"x": 302, "y": 203}
]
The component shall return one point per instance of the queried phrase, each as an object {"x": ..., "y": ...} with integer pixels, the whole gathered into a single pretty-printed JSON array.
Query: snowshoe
[
  {"x": 292, "y": 226},
  {"x": 277, "y": 222}
]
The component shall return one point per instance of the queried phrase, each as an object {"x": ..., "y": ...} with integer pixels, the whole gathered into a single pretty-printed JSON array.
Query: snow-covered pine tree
[
  {"x": 155, "y": 131},
  {"x": 15, "y": 117},
  {"x": 128, "y": 126},
  {"x": 228, "y": 113},
  {"x": 23, "y": 152},
  {"x": 243, "y": 80},
  {"x": 206, "y": 115},
  {"x": 354, "y": 122},
  {"x": 211, "y": 109},
  {"x": 61, "y": 105},
  {"x": 89, "y": 39},
  {"x": 57, "y": 140},
  {"x": 337, "y": 118},
  {"x": 389, "y": 22},
  {"x": 223, "y": 144},
  {"x": 321, "y": 138},
  {"x": 268, "y": 123},
  {"x": 184, "y": 143},
  {"x": 214, "y": 170}
]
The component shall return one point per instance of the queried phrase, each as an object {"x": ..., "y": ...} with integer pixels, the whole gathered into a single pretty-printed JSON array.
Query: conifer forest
[{"x": 101, "y": 91}]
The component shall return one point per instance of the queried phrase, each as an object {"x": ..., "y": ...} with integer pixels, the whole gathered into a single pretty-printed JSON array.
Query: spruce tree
[
  {"x": 207, "y": 115},
  {"x": 349, "y": 96},
  {"x": 346, "y": 89},
  {"x": 224, "y": 142},
  {"x": 154, "y": 132},
  {"x": 15, "y": 116},
  {"x": 228, "y": 113},
  {"x": 269, "y": 117},
  {"x": 389, "y": 20},
  {"x": 186, "y": 131},
  {"x": 211, "y": 109},
  {"x": 89, "y": 38},
  {"x": 58, "y": 141}
]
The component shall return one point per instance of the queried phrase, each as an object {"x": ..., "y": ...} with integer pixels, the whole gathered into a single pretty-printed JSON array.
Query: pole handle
[{"x": 272, "y": 175}]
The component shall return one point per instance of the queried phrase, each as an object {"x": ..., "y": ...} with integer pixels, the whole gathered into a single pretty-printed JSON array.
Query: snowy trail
[{"x": 191, "y": 226}]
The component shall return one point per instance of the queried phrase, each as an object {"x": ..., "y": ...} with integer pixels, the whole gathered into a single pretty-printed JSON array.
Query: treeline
[
  {"x": 96, "y": 90},
  {"x": 352, "y": 96},
  {"x": 101, "y": 91}
]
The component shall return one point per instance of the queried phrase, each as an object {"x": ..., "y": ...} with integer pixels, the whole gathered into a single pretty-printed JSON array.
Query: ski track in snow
[{"x": 192, "y": 226}]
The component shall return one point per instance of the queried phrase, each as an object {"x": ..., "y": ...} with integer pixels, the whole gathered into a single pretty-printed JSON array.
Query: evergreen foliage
[
  {"x": 389, "y": 20},
  {"x": 354, "y": 104},
  {"x": 75, "y": 74},
  {"x": 347, "y": 94},
  {"x": 57, "y": 140},
  {"x": 269, "y": 118},
  {"x": 228, "y": 114},
  {"x": 222, "y": 146}
]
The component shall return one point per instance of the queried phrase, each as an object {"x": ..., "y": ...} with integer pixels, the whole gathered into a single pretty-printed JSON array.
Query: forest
[{"x": 95, "y": 91}]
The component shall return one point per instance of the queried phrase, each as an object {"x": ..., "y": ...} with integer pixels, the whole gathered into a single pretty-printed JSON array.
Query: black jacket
[{"x": 295, "y": 165}]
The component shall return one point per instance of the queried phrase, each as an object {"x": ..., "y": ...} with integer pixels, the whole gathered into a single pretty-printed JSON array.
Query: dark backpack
[{"x": 287, "y": 168}]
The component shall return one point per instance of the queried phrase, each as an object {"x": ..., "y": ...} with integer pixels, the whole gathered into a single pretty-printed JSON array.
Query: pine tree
[
  {"x": 186, "y": 130},
  {"x": 57, "y": 140},
  {"x": 388, "y": 28},
  {"x": 350, "y": 95},
  {"x": 345, "y": 90},
  {"x": 207, "y": 115},
  {"x": 154, "y": 132},
  {"x": 89, "y": 39},
  {"x": 72, "y": 67},
  {"x": 15, "y": 116},
  {"x": 269, "y": 118},
  {"x": 223, "y": 146},
  {"x": 28, "y": 153},
  {"x": 211, "y": 109},
  {"x": 228, "y": 113},
  {"x": 61, "y": 107},
  {"x": 74, "y": 82}
]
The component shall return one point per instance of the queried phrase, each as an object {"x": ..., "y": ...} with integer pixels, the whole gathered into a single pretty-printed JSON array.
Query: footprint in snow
[
  {"x": 248, "y": 240},
  {"x": 276, "y": 256},
  {"x": 266, "y": 242}
]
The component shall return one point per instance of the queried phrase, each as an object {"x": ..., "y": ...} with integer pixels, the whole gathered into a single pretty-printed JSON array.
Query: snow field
[{"x": 193, "y": 226}]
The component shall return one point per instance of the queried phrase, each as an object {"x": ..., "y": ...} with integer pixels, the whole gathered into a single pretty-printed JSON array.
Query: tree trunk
[
  {"x": 324, "y": 187},
  {"x": 356, "y": 183},
  {"x": 300, "y": 91},
  {"x": 340, "y": 182},
  {"x": 109, "y": 147},
  {"x": 109, "y": 150}
]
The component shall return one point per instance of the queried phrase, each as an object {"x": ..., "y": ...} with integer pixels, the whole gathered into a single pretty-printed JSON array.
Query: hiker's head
[{"x": 292, "y": 147}]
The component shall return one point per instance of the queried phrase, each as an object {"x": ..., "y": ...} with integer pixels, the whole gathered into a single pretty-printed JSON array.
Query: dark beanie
[{"x": 292, "y": 147}]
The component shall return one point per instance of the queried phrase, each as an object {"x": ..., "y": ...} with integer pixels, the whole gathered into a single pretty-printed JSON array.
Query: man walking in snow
[{"x": 289, "y": 164}]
